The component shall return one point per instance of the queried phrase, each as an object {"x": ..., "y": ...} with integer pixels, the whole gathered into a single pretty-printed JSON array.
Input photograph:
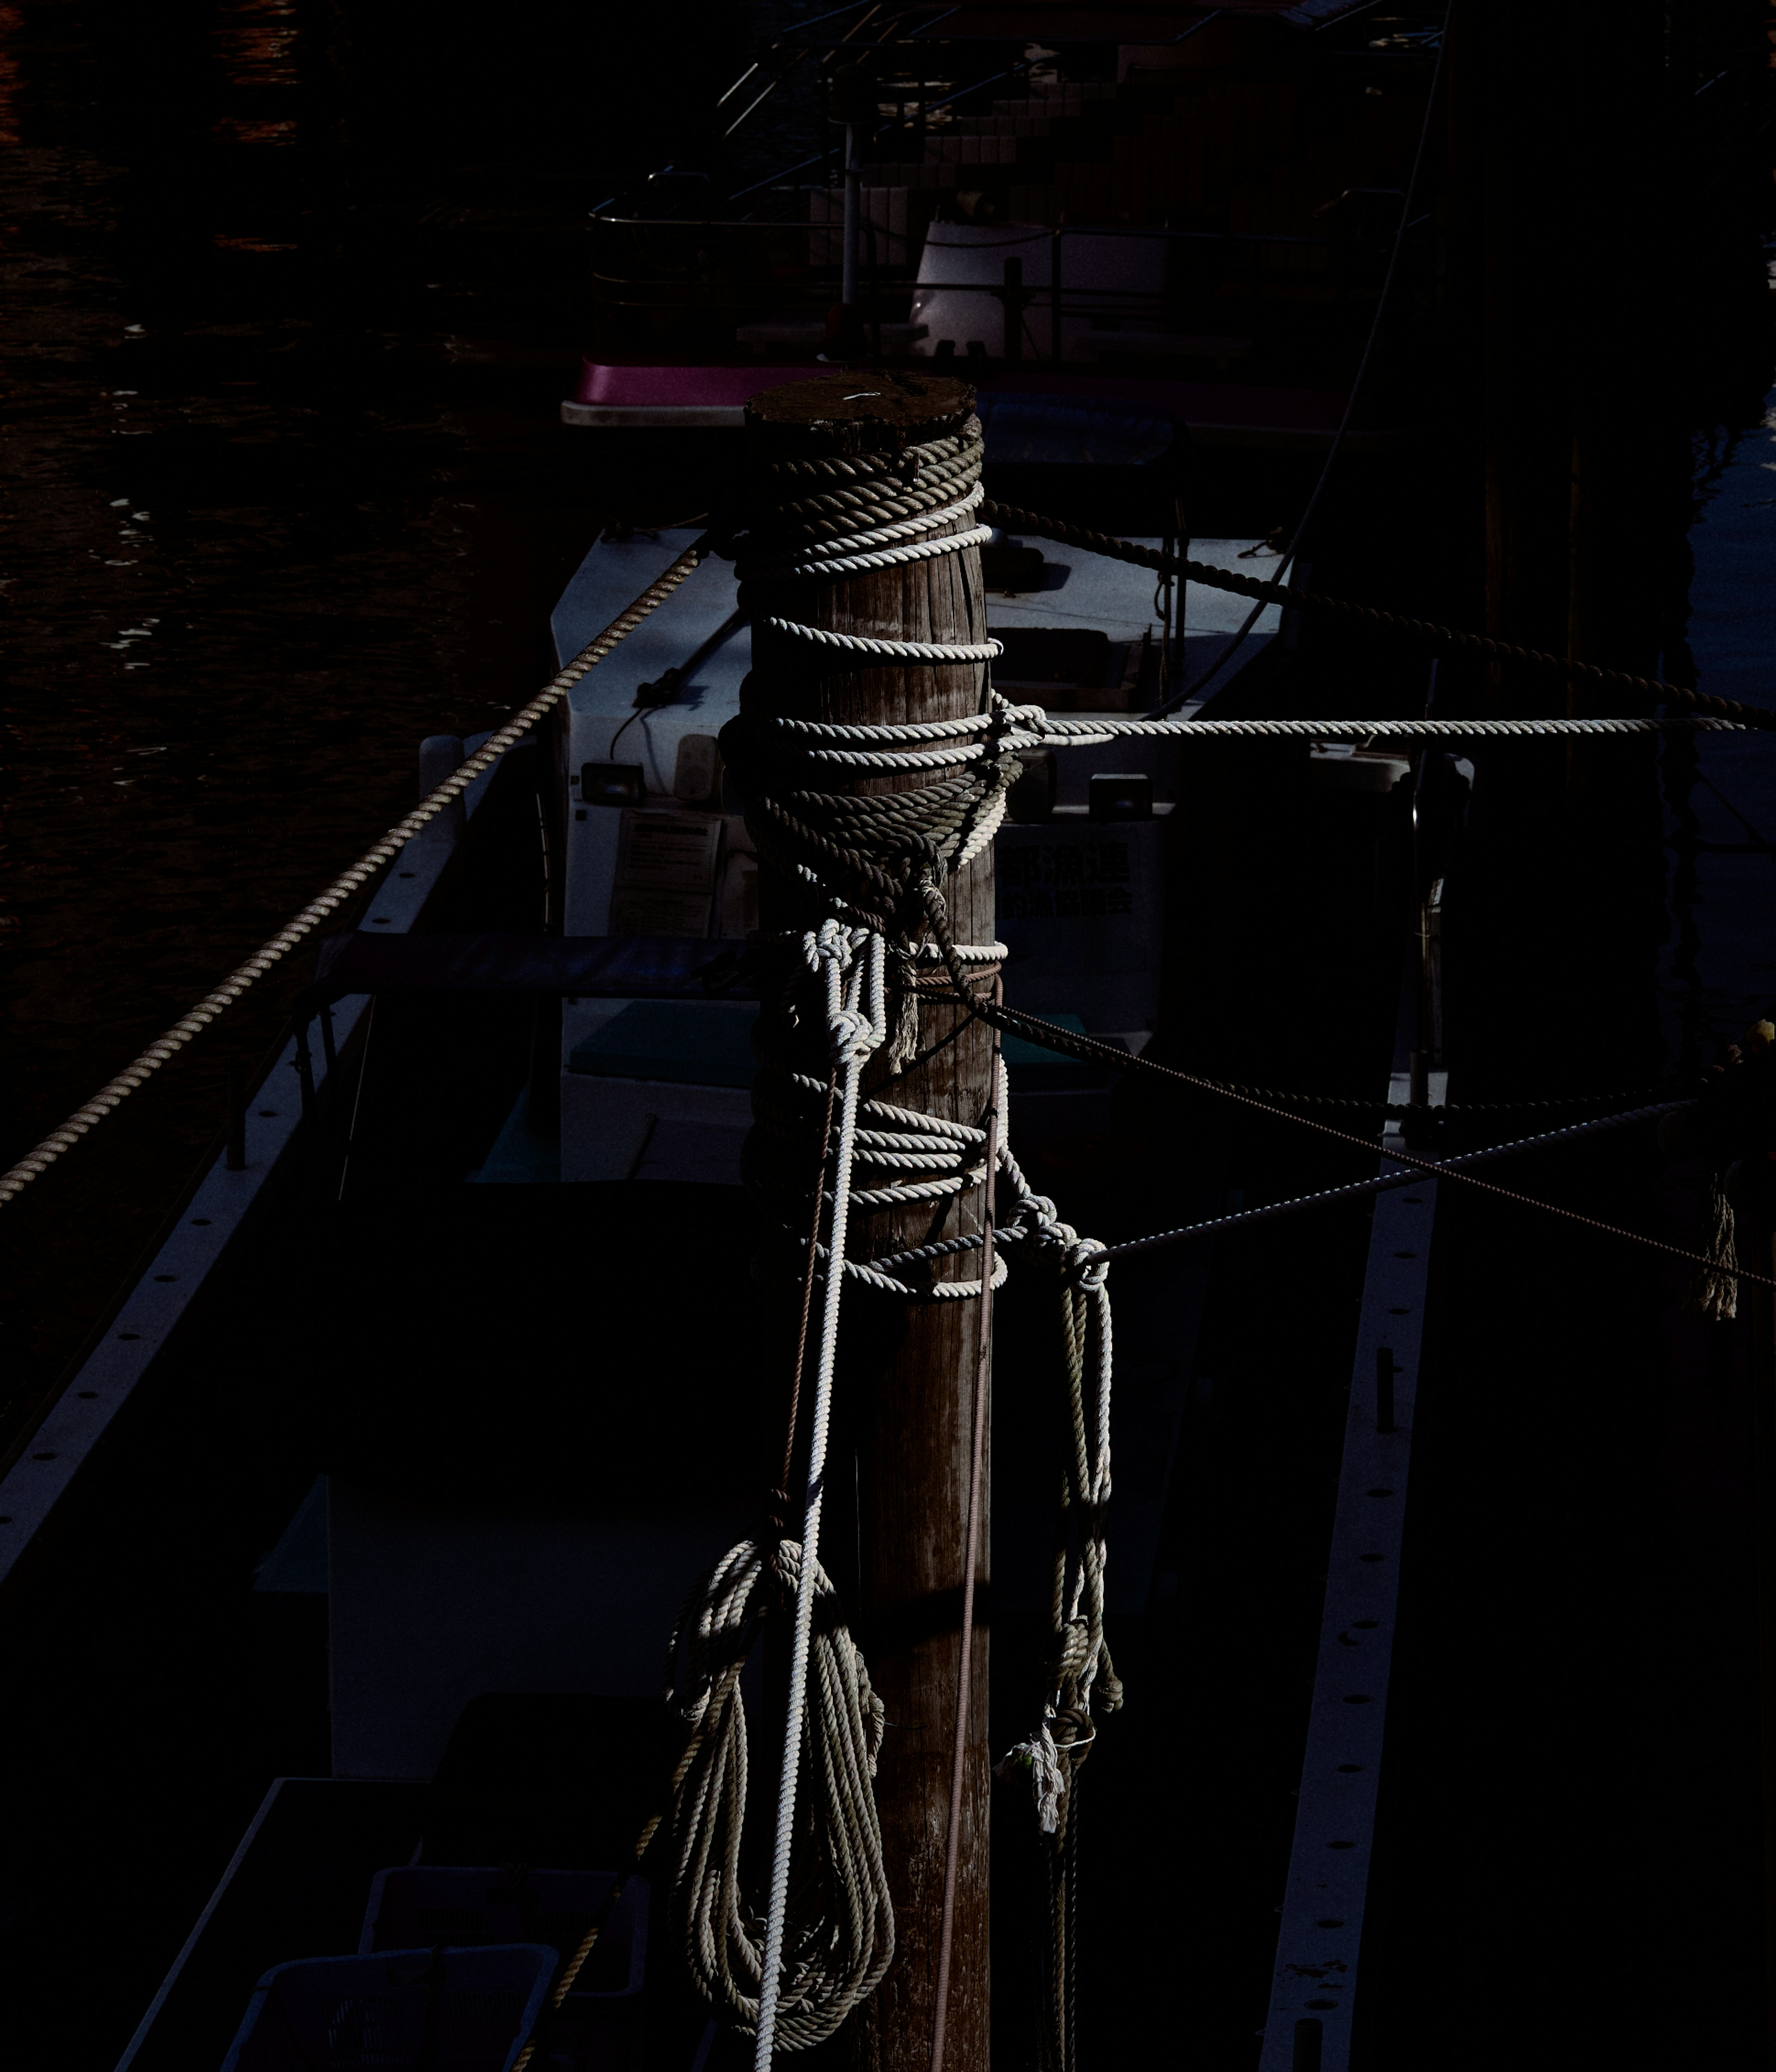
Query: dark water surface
[{"x": 291, "y": 293}]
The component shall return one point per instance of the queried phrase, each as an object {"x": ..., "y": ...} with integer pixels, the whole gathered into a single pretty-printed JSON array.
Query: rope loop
[
  {"x": 886, "y": 650},
  {"x": 840, "y": 1940},
  {"x": 1086, "y": 1264}
]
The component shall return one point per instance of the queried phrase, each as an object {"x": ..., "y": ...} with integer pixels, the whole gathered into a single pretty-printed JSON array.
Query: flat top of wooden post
[{"x": 864, "y": 406}]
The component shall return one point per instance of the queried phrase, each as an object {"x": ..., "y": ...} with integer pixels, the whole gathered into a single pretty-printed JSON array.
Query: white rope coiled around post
[
  {"x": 876, "y": 547},
  {"x": 876, "y": 650},
  {"x": 859, "y": 854},
  {"x": 884, "y": 859}
]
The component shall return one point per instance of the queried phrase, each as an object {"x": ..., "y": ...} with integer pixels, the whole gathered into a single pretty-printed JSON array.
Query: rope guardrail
[
  {"x": 350, "y": 881},
  {"x": 829, "y": 517},
  {"x": 1387, "y": 1183},
  {"x": 1051, "y": 1036},
  {"x": 1087, "y": 733}
]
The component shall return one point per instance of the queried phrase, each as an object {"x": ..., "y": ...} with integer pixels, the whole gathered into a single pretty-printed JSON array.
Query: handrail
[
  {"x": 783, "y": 43},
  {"x": 343, "y": 888},
  {"x": 886, "y": 129},
  {"x": 856, "y": 29},
  {"x": 771, "y": 179},
  {"x": 1049, "y": 230}
]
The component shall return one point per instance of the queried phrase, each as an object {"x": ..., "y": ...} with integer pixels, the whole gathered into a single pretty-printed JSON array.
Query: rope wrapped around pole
[{"x": 874, "y": 761}]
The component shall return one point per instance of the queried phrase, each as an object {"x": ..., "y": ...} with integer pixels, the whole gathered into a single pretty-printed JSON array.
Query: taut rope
[
  {"x": 349, "y": 881},
  {"x": 1297, "y": 599}
]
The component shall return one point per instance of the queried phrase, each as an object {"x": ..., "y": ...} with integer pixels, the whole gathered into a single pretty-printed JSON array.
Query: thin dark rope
[
  {"x": 1049, "y": 1034},
  {"x": 780, "y": 1494},
  {"x": 1295, "y": 599}
]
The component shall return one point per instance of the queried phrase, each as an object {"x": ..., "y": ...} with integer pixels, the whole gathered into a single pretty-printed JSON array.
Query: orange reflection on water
[
  {"x": 258, "y": 49},
  {"x": 10, "y": 22},
  {"x": 243, "y": 132},
  {"x": 258, "y": 45}
]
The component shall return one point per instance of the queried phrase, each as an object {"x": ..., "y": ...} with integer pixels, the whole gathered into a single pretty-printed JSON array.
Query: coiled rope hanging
[
  {"x": 793, "y": 1984},
  {"x": 842, "y": 1938}
]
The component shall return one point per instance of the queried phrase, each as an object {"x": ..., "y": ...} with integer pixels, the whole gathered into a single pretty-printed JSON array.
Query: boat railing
[{"x": 655, "y": 279}]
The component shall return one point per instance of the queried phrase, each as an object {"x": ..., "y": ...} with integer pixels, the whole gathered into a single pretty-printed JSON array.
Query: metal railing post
[
  {"x": 305, "y": 1069},
  {"x": 1384, "y": 1388},
  {"x": 853, "y": 173},
  {"x": 234, "y": 1159},
  {"x": 1054, "y": 295}
]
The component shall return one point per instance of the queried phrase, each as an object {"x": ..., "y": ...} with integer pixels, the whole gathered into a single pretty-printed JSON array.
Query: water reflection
[
  {"x": 261, "y": 51},
  {"x": 286, "y": 490},
  {"x": 256, "y": 42},
  {"x": 10, "y": 23},
  {"x": 239, "y": 131}
]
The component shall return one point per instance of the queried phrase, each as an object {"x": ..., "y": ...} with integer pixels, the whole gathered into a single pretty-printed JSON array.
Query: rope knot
[
  {"x": 1073, "y": 1731},
  {"x": 1047, "y": 1774},
  {"x": 1086, "y": 1262},
  {"x": 1075, "y": 1649},
  {"x": 829, "y": 943},
  {"x": 774, "y": 1522},
  {"x": 851, "y": 1035},
  {"x": 1013, "y": 717},
  {"x": 1059, "y": 1240}
]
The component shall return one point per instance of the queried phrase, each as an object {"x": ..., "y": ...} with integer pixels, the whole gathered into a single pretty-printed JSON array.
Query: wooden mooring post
[
  {"x": 900, "y": 1460},
  {"x": 1756, "y": 1246}
]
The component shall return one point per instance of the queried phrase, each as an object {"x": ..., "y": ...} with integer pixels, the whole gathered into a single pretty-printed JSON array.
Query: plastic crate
[
  {"x": 599, "y": 2027},
  {"x": 350, "y": 2014},
  {"x": 424, "y": 1903}
]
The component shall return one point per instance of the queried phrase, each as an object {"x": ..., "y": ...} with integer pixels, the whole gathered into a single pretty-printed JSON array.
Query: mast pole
[{"x": 902, "y": 1449}]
